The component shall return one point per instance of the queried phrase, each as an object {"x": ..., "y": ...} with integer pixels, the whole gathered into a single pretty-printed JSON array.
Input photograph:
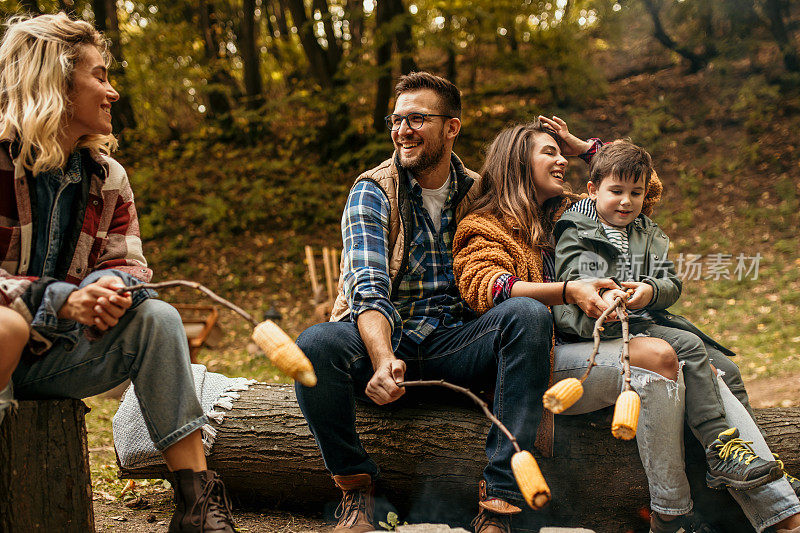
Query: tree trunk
[
  {"x": 315, "y": 54},
  {"x": 219, "y": 104},
  {"x": 250, "y": 57},
  {"x": 383, "y": 57},
  {"x": 403, "y": 36},
  {"x": 354, "y": 13},
  {"x": 432, "y": 454},
  {"x": 44, "y": 479},
  {"x": 122, "y": 115},
  {"x": 775, "y": 10},
  {"x": 696, "y": 62}
]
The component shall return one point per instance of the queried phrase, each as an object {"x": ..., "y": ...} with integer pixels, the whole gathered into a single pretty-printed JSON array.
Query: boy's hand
[
  {"x": 613, "y": 294},
  {"x": 642, "y": 294},
  {"x": 572, "y": 145}
]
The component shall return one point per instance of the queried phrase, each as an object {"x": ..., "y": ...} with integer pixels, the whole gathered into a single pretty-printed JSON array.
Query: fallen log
[
  {"x": 45, "y": 483},
  {"x": 431, "y": 456}
]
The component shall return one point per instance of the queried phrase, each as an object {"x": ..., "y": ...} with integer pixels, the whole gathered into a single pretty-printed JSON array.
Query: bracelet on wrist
[{"x": 564, "y": 292}]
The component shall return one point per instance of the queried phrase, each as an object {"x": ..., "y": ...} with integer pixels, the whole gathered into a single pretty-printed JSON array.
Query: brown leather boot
[
  {"x": 201, "y": 503},
  {"x": 494, "y": 514},
  {"x": 355, "y": 509}
]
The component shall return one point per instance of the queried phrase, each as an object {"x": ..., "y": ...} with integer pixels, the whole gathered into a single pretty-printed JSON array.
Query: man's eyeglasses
[{"x": 414, "y": 120}]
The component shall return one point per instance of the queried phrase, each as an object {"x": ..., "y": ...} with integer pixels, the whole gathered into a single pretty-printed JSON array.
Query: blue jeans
[
  {"x": 149, "y": 346},
  {"x": 508, "y": 347}
]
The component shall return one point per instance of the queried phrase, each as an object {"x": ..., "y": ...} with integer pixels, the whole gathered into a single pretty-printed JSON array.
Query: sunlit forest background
[{"x": 242, "y": 124}]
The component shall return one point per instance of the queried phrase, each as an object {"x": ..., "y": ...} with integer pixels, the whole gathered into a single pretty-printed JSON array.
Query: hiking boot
[
  {"x": 494, "y": 514},
  {"x": 658, "y": 525},
  {"x": 7, "y": 400},
  {"x": 733, "y": 463},
  {"x": 793, "y": 481},
  {"x": 356, "y": 508},
  {"x": 688, "y": 523},
  {"x": 201, "y": 504}
]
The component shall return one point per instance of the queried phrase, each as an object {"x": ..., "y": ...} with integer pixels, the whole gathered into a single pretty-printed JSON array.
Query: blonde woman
[{"x": 69, "y": 237}]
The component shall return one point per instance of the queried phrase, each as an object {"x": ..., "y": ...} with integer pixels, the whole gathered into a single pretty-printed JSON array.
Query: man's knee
[
  {"x": 656, "y": 355},
  {"x": 326, "y": 342}
]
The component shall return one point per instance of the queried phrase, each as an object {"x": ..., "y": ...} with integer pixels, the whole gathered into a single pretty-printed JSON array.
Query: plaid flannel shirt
[
  {"x": 105, "y": 238},
  {"x": 427, "y": 296}
]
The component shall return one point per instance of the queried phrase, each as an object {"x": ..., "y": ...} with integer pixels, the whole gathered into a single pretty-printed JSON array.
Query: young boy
[{"x": 606, "y": 235}]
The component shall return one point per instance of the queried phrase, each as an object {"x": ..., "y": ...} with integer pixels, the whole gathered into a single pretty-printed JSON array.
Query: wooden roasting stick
[
  {"x": 566, "y": 392},
  {"x": 526, "y": 470},
  {"x": 280, "y": 349}
]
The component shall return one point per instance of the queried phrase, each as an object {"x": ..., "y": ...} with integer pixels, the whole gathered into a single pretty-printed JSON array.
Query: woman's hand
[
  {"x": 585, "y": 294},
  {"x": 97, "y": 304},
  {"x": 572, "y": 144},
  {"x": 642, "y": 294}
]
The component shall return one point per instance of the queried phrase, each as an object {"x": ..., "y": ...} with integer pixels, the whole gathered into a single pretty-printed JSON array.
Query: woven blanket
[{"x": 132, "y": 441}]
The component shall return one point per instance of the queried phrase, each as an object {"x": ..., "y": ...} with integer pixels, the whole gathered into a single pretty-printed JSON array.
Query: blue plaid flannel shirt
[{"x": 427, "y": 296}]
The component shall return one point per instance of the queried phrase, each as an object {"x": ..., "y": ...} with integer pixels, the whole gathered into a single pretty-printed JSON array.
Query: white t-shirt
[{"x": 433, "y": 200}]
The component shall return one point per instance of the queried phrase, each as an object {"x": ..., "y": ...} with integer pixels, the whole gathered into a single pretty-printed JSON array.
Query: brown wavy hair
[{"x": 507, "y": 189}]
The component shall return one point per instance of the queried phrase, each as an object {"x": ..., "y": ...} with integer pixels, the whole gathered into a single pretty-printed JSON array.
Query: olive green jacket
[{"x": 583, "y": 251}]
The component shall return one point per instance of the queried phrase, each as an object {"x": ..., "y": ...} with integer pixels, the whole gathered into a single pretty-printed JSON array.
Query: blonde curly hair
[{"x": 37, "y": 60}]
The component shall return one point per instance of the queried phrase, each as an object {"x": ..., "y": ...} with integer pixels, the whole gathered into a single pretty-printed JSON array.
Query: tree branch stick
[
  {"x": 598, "y": 327},
  {"x": 471, "y": 395},
  {"x": 194, "y": 285}
]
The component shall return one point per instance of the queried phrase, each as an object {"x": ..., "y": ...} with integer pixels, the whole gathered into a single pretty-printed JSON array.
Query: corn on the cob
[
  {"x": 284, "y": 353},
  {"x": 563, "y": 395},
  {"x": 530, "y": 479},
  {"x": 626, "y": 415}
]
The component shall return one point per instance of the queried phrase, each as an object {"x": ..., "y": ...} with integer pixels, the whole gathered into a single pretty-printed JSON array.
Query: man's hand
[
  {"x": 584, "y": 293},
  {"x": 382, "y": 388},
  {"x": 97, "y": 304},
  {"x": 642, "y": 294},
  {"x": 572, "y": 144}
]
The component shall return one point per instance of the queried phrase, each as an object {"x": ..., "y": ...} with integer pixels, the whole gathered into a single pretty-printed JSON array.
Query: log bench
[
  {"x": 45, "y": 483},
  {"x": 431, "y": 456}
]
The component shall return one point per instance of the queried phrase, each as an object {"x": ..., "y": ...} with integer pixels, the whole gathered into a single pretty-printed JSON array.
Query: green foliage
[
  {"x": 756, "y": 101},
  {"x": 654, "y": 122},
  {"x": 392, "y": 521}
]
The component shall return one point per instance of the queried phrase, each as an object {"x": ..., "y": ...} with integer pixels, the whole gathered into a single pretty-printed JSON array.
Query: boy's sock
[
  {"x": 6, "y": 400},
  {"x": 733, "y": 463}
]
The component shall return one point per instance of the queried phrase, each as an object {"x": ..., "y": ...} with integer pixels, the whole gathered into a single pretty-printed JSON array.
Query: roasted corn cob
[
  {"x": 530, "y": 479},
  {"x": 284, "y": 353},
  {"x": 563, "y": 395},
  {"x": 626, "y": 415}
]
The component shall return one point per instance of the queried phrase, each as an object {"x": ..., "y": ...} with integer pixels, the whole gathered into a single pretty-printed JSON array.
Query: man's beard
[{"x": 431, "y": 156}]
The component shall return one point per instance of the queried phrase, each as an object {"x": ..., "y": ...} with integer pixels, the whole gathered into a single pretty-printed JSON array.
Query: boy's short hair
[
  {"x": 623, "y": 159},
  {"x": 448, "y": 93}
]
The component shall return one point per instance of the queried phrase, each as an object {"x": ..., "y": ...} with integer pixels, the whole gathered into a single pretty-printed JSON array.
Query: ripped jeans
[{"x": 660, "y": 434}]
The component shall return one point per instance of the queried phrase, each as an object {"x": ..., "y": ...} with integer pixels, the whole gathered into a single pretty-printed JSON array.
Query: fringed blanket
[{"x": 131, "y": 438}]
